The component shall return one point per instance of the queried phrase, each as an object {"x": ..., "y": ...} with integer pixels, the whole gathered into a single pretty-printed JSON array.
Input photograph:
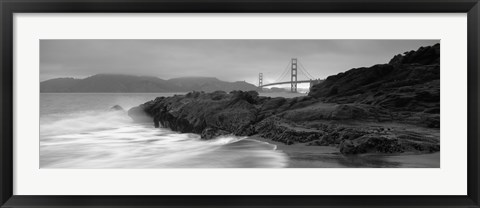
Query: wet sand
[{"x": 301, "y": 156}]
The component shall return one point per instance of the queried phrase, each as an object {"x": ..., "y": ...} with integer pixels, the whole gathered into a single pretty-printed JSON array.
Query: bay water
[{"x": 79, "y": 130}]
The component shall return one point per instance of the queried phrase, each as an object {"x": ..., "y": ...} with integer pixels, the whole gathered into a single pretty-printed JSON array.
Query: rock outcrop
[
  {"x": 409, "y": 86},
  {"x": 389, "y": 108},
  {"x": 409, "y": 82},
  {"x": 116, "y": 108}
]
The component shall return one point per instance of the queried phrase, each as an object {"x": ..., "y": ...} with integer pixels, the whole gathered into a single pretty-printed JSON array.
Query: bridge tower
[
  {"x": 294, "y": 75},
  {"x": 260, "y": 79}
]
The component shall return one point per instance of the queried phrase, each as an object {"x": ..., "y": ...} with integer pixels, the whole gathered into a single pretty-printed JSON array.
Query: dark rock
[
  {"x": 211, "y": 133},
  {"x": 389, "y": 143},
  {"x": 372, "y": 143},
  {"x": 408, "y": 84},
  {"x": 347, "y": 147},
  {"x": 410, "y": 79},
  {"x": 354, "y": 81},
  {"x": 424, "y": 56},
  {"x": 250, "y": 96},
  {"x": 348, "y": 112},
  {"x": 218, "y": 95},
  {"x": 197, "y": 111},
  {"x": 282, "y": 131}
]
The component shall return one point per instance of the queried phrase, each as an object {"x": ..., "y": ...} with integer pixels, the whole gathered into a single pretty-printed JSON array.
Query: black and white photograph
[{"x": 239, "y": 103}]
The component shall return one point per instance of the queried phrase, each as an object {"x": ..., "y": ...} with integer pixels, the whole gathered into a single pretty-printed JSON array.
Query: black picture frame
[{"x": 9, "y": 7}]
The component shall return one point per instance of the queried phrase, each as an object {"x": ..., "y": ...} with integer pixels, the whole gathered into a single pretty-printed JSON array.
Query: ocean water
[{"x": 79, "y": 130}]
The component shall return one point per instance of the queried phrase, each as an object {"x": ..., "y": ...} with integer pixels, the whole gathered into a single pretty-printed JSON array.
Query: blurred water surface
[{"x": 79, "y": 130}]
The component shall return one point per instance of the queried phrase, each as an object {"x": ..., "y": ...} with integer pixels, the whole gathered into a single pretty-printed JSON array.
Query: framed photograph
[{"x": 265, "y": 103}]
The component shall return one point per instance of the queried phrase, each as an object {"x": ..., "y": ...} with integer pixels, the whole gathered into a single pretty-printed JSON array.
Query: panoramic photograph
[{"x": 239, "y": 103}]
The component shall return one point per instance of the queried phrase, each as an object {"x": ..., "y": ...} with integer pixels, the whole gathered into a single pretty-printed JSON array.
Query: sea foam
[{"x": 109, "y": 139}]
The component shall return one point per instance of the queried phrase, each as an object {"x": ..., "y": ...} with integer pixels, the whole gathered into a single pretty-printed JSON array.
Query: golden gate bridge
[{"x": 292, "y": 69}]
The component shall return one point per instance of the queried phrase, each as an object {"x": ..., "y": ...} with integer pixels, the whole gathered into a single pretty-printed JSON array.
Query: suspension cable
[
  {"x": 306, "y": 72},
  {"x": 285, "y": 72}
]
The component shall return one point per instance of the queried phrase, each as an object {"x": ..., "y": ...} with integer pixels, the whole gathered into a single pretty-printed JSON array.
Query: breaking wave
[{"x": 109, "y": 139}]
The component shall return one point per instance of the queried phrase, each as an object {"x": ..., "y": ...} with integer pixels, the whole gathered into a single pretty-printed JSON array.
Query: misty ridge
[{"x": 104, "y": 83}]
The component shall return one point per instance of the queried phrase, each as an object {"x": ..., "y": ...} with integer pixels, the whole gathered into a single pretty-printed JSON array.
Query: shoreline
[{"x": 302, "y": 156}]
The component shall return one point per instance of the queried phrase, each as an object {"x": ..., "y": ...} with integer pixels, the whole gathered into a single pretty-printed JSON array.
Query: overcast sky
[{"x": 229, "y": 60}]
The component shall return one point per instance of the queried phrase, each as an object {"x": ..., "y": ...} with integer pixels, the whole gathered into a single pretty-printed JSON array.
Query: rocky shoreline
[
  {"x": 300, "y": 156},
  {"x": 387, "y": 108}
]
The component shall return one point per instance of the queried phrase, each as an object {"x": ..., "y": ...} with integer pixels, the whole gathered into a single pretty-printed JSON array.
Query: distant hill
[
  {"x": 129, "y": 83},
  {"x": 210, "y": 84}
]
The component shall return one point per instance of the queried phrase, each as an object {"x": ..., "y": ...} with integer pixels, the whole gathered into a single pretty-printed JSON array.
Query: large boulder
[{"x": 116, "y": 108}]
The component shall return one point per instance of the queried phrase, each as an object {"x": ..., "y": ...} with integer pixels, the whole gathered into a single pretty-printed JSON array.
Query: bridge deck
[{"x": 288, "y": 82}]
